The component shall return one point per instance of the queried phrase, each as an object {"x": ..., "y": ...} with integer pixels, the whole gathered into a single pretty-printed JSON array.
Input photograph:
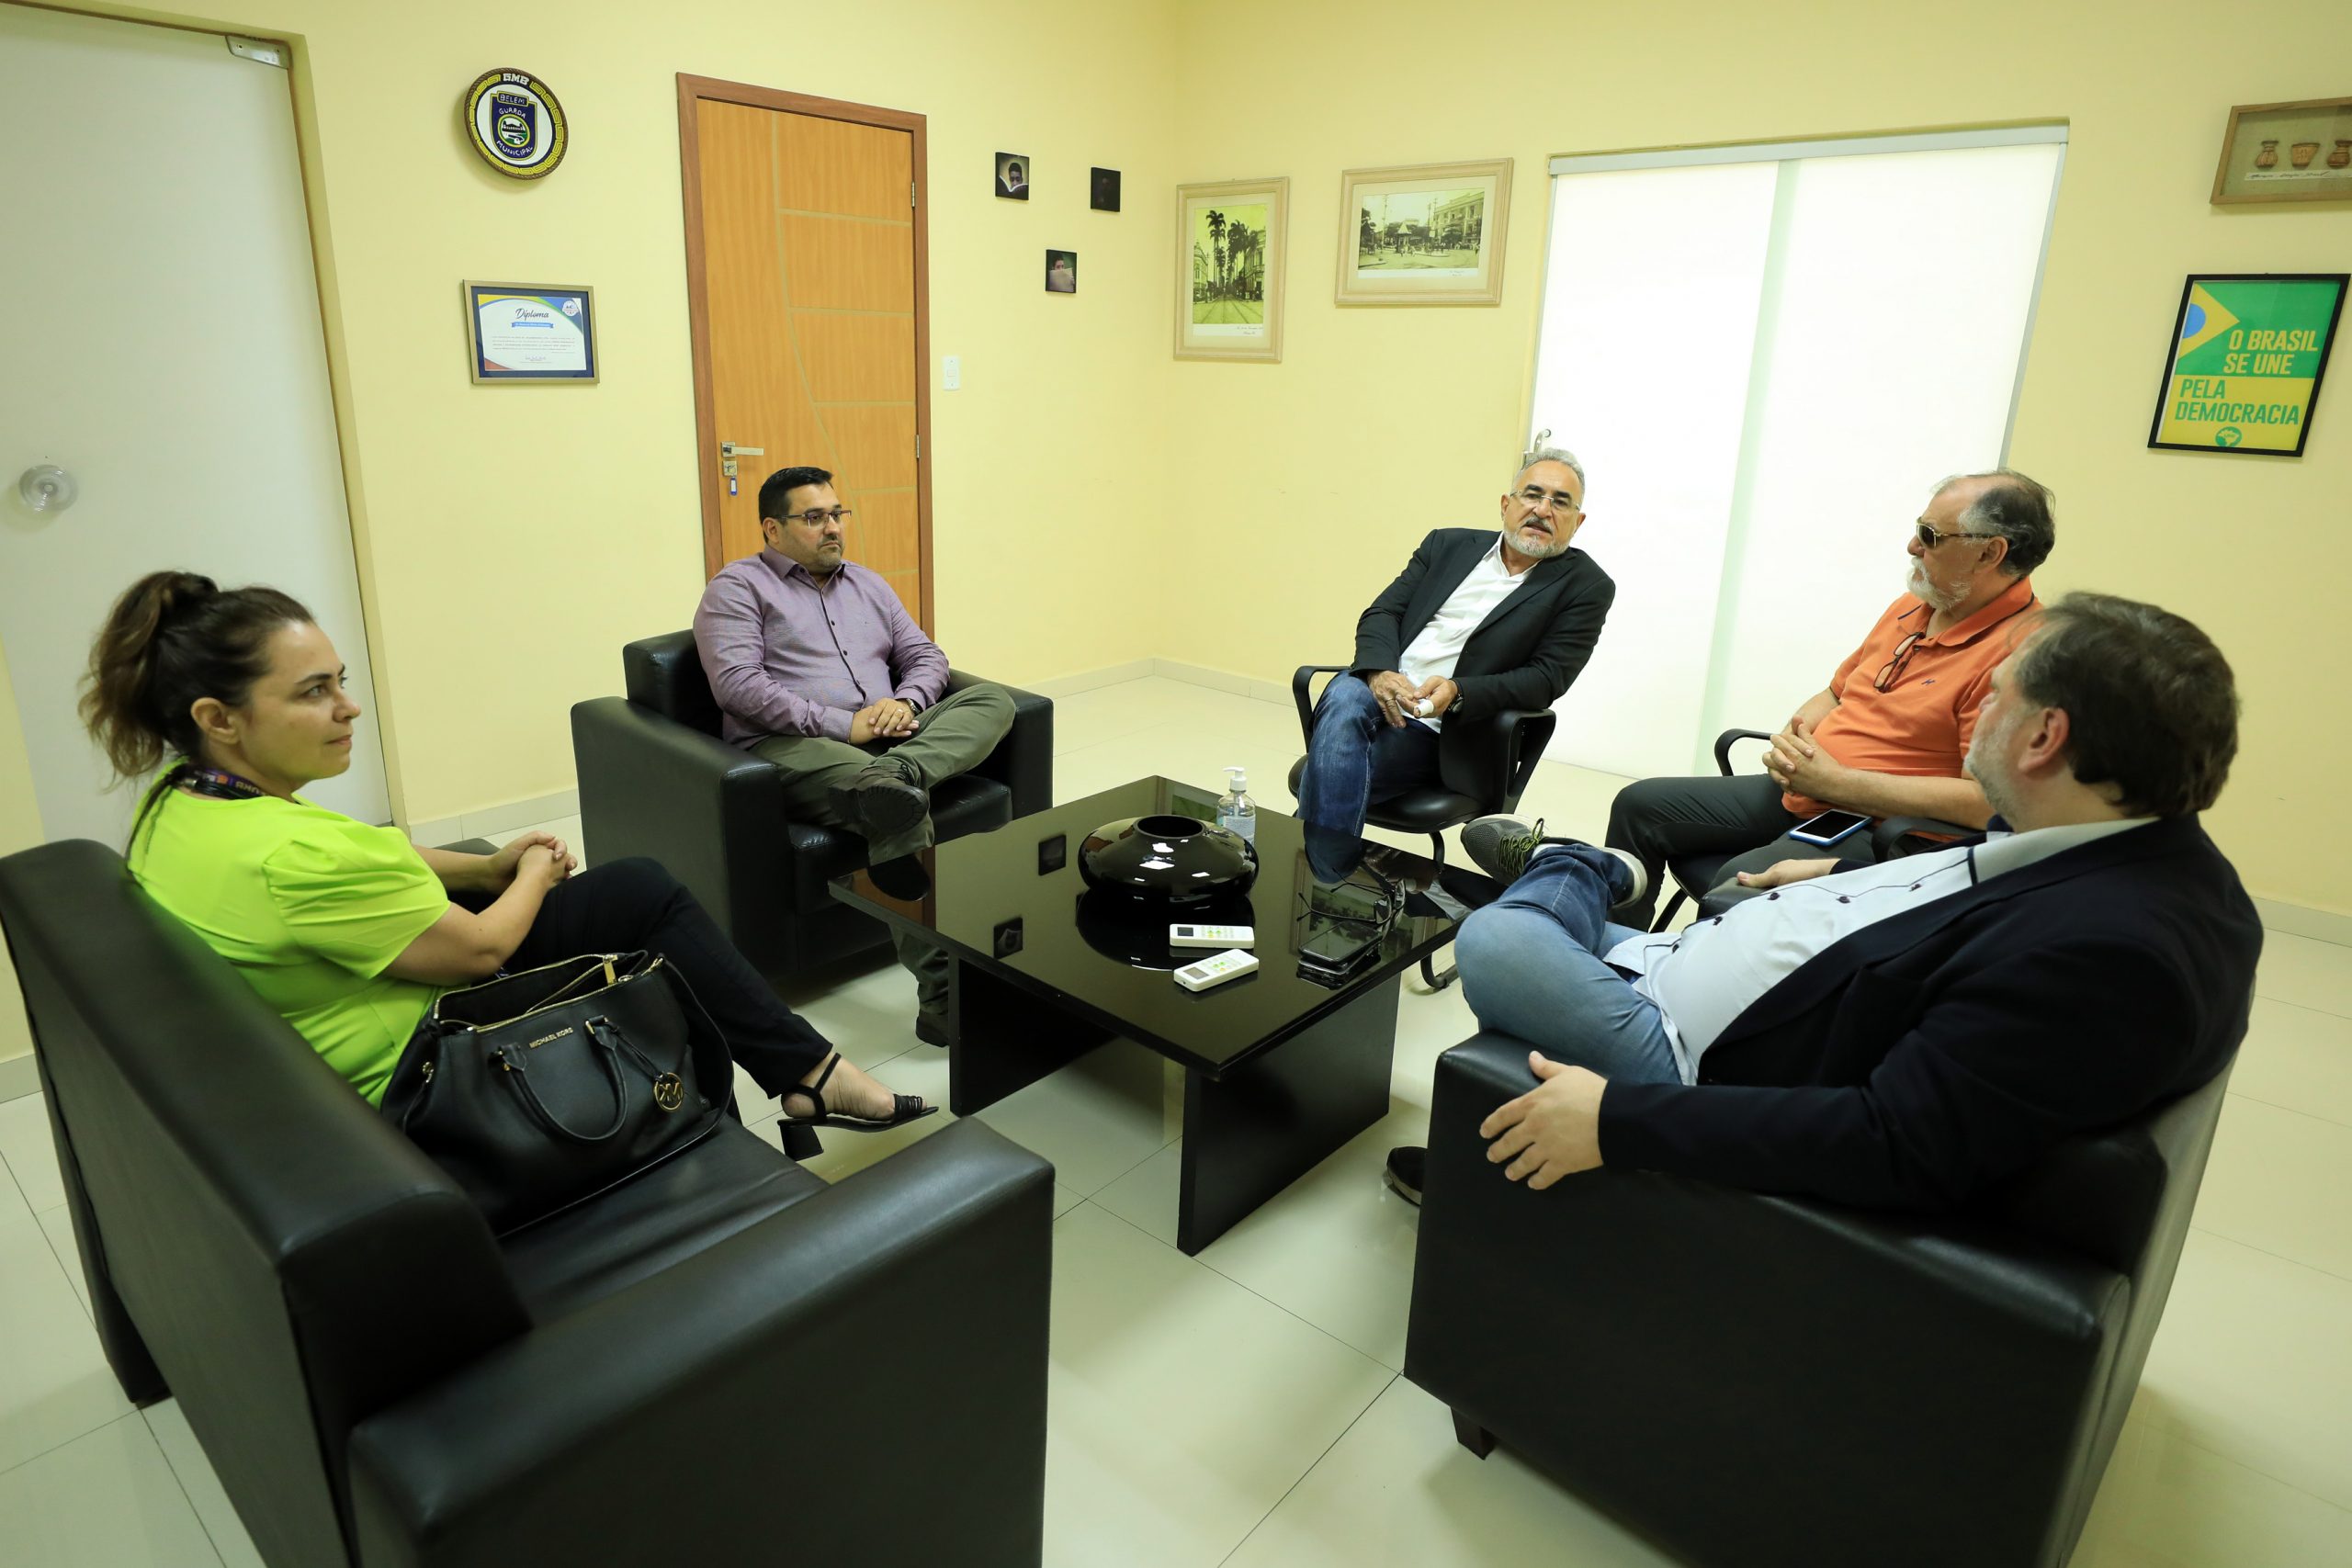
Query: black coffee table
[{"x": 1279, "y": 1069}]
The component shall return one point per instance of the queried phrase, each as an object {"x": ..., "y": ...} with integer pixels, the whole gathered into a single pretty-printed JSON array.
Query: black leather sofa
[
  {"x": 1771, "y": 1382},
  {"x": 722, "y": 1361},
  {"x": 655, "y": 779}
]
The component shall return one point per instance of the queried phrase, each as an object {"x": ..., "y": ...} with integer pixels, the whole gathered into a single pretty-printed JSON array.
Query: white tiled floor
[{"x": 1243, "y": 1407}]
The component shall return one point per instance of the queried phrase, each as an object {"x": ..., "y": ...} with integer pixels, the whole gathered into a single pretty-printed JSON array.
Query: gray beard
[
  {"x": 1549, "y": 548},
  {"x": 1938, "y": 595}
]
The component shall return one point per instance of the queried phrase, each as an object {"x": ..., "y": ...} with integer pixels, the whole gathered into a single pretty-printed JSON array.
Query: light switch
[{"x": 951, "y": 371}]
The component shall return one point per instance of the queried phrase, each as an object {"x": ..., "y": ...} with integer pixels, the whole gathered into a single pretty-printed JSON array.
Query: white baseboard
[
  {"x": 19, "y": 1076},
  {"x": 491, "y": 820},
  {"x": 2296, "y": 919},
  {"x": 1088, "y": 679},
  {"x": 1216, "y": 680}
]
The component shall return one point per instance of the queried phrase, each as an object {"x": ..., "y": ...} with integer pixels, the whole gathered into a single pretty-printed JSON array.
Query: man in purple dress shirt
[{"x": 819, "y": 670}]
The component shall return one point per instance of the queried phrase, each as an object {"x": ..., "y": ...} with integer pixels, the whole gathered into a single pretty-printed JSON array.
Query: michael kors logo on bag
[{"x": 544, "y": 1039}]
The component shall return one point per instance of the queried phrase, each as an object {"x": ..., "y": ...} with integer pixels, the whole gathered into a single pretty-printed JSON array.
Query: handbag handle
[{"x": 517, "y": 1076}]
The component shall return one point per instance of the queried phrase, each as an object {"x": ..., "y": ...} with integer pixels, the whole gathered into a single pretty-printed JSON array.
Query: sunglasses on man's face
[{"x": 1930, "y": 538}]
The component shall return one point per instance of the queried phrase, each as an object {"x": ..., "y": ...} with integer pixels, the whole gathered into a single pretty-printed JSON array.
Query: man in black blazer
[
  {"x": 1901, "y": 1035},
  {"x": 1477, "y": 623}
]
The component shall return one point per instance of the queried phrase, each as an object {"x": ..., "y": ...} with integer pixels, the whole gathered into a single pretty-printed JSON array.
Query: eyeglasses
[
  {"x": 1891, "y": 671},
  {"x": 1532, "y": 497},
  {"x": 1929, "y": 537},
  {"x": 816, "y": 518}
]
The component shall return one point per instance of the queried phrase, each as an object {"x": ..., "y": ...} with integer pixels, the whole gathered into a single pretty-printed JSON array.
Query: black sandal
[{"x": 904, "y": 1108}]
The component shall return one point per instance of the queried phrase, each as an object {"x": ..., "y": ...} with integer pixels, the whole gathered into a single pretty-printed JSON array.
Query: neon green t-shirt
[{"x": 311, "y": 907}]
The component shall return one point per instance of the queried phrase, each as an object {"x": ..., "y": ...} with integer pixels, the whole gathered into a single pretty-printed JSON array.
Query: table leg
[
  {"x": 1261, "y": 1125},
  {"x": 1006, "y": 1040}
]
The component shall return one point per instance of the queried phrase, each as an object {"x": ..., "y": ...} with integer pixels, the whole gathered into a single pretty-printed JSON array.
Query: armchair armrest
[
  {"x": 712, "y": 813},
  {"x": 1023, "y": 761},
  {"x": 1889, "y": 835},
  {"x": 1491, "y": 759},
  {"x": 673, "y": 1422},
  {"x": 1730, "y": 737},
  {"x": 1300, "y": 680},
  {"x": 1938, "y": 1364}
]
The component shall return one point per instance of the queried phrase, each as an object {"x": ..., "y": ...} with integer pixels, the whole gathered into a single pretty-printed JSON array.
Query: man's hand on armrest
[
  {"x": 1798, "y": 761},
  {"x": 1553, "y": 1130},
  {"x": 1780, "y": 873}
]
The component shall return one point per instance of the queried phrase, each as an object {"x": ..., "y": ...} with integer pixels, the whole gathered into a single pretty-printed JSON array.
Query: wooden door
[{"x": 805, "y": 242}]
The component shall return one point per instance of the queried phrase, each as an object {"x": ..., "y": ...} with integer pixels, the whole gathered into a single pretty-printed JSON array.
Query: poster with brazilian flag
[{"x": 2248, "y": 351}]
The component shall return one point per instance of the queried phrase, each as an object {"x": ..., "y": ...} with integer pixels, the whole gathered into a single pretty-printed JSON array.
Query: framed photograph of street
[
  {"x": 1424, "y": 234},
  {"x": 2298, "y": 151},
  {"x": 1230, "y": 253},
  {"x": 2248, "y": 351}
]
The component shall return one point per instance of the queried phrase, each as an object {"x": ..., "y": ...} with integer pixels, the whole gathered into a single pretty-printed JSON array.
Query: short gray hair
[
  {"x": 2013, "y": 507},
  {"x": 1539, "y": 451}
]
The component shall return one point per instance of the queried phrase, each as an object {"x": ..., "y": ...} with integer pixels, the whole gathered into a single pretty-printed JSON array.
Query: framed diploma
[{"x": 530, "y": 331}]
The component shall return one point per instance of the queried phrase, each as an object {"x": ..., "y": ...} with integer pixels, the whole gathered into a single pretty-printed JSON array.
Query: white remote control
[
  {"x": 1217, "y": 971},
  {"x": 1212, "y": 936}
]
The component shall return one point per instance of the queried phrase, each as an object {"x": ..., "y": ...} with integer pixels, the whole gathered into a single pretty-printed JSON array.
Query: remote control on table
[
  {"x": 1215, "y": 971},
  {"x": 1181, "y": 935}
]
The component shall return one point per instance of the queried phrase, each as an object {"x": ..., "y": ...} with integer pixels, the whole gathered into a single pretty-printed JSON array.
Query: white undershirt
[
  {"x": 1437, "y": 649},
  {"x": 1705, "y": 976}
]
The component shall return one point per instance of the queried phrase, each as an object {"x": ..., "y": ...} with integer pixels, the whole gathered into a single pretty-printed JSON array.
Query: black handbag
[{"x": 539, "y": 1090}]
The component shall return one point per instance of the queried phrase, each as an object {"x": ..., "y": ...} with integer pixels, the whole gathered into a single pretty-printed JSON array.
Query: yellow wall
[
  {"x": 1381, "y": 423},
  {"x": 511, "y": 538}
]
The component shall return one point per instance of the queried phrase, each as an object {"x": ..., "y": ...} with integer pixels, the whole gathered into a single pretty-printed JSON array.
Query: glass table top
[{"x": 1106, "y": 956}]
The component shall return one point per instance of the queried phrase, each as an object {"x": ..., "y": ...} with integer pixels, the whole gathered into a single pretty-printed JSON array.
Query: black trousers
[
  {"x": 1741, "y": 816},
  {"x": 631, "y": 904}
]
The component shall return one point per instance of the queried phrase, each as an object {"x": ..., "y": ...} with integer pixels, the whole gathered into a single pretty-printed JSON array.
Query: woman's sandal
[{"x": 904, "y": 1108}]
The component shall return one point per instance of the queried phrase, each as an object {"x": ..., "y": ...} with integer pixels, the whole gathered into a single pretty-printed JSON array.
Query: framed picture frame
[
  {"x": 1231, "y": 251},
  {"x": 530, "y": 331},
  {"x": 2247, "y": 355},
  {"x": 1424, "y": 234},
  {"x": 2296, "y": 151}
]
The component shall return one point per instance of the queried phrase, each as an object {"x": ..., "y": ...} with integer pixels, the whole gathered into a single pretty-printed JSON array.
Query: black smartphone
[
  {"x": 1334, "y": 952},
  {"x": 1829, "y": 827}
]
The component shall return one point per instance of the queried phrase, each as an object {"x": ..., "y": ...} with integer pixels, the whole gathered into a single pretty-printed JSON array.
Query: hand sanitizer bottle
[{"x": 1235, "y": 810}]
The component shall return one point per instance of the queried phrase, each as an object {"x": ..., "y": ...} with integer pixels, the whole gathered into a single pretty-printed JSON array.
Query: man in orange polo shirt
[{"x": 1886, "y": 735}]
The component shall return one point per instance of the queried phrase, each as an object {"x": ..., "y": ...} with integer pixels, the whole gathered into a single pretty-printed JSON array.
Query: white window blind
[{"x": 1765, "y": 363}]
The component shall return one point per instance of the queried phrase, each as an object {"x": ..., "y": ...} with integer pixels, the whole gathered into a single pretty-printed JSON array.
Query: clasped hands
[
  {"x": 1399, "y": 699},
  {"x": 553, "y": 861},
  {"x": 1553, "y": 1130},
  {"x": 1797, "y": 762},
  {"x": 886, "y": 719}
]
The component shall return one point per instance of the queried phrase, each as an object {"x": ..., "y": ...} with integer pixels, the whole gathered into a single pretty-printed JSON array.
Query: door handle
[{"x": 727, "y": 452}]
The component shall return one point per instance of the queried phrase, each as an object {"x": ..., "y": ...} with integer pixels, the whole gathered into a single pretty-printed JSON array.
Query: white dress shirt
[
  {"x": 1437, "y": 649},
  {"x": 1705, "y": 976}
]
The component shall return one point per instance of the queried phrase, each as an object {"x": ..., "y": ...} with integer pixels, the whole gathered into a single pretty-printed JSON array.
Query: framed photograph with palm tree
[
  {"x": 1230, "y": 250},
  {"x": 1424, "y": 234}
]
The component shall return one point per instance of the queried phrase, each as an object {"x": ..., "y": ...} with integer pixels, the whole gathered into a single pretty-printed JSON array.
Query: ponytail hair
[{"x": 174, "y": 638}]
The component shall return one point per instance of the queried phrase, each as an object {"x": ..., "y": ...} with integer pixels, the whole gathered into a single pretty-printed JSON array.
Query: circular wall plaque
[{"x": 515, "y": 124}]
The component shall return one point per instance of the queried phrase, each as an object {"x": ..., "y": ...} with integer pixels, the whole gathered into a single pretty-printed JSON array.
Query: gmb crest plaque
[{"x": 513, "y": 122}]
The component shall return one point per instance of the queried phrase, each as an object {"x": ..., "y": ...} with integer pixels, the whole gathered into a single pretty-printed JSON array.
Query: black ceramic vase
[{"x": 1168, "y": 859}]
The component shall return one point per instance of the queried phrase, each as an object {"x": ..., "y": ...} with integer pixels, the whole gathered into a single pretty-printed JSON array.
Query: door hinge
[
  {"x": 910, "y": 193},
  {"x": 918, "y": 446},
  {"x": 261, "y": 51}
]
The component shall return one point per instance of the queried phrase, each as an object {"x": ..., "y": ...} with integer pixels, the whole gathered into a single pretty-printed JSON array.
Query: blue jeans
[
  {"x": 1531, "y": 967},
  {"x": 1355, "y": 760}
]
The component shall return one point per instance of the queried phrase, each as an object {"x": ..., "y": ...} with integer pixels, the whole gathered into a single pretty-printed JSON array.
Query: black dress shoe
[
  {"x": 1407, "y": 1164},
  {"x": 902, "y": 878},
  {"x": 934, "y": 1031},
  {"x": 882, "y": 801}
]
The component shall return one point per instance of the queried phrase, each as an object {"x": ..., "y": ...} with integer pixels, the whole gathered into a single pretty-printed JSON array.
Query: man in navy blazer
[
  {"x": 1477, "y": 623},
  {"x": 1901, "y": 1035}
]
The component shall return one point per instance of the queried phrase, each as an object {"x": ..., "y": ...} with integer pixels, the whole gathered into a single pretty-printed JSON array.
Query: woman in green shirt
[{"x": 349, "y": 931}]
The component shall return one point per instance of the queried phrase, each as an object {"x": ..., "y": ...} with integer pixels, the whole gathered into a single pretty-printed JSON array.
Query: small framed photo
[
  {"x": 1103, "y": 190},
  {"x": 1013, "y": 176},
  {"x": 1230, "y": 255},
  {"x": 1061, "y": 272},
  {"x": 1424, "y": 234},
  {"x": 2298, "y": 151},
  {"x": 530, "y": 331}
]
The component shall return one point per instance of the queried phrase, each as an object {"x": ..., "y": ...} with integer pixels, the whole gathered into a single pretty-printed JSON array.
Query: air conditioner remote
[
  {"x": 1181, "y": 935},
  {"x": 1215, "y": 971}
]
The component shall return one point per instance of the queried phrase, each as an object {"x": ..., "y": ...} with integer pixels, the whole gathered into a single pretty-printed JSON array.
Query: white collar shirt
[
  {"x": 1705, "y": 976},
  {"x": 1438, "y": 647}
]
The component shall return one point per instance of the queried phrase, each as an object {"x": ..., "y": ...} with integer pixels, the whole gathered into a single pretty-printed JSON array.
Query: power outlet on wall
[{"x": 951, "y": 371}]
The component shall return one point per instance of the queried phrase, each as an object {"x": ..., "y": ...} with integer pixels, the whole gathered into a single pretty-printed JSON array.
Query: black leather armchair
[
  {"x": 378, "y": 1382},
  {"x": 1483, "y": 764},
  {"x": 1775, "y": 1383},
  {"x": 1696, "y": 876},
  {"x": 655, "y": 779}
]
